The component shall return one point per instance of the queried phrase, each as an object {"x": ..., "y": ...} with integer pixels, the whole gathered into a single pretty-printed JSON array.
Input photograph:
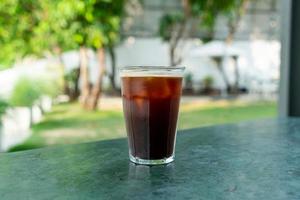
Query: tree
[
  {"x": 174, "y": 28},
  {"x": 97, "y": 25},
  {"x": 37, "y": 27},
  {"x": 122, "y": 10},
  {"x": 7, "y": 32},
  {"x": 234, "y": 15},
  {"x": 33, "y": 27},
  {"x": 233, "y": 10},
  {"x": 16, "y": 20},
  {"x": 109, "y": 14},
  {"x": 53, "y": 24},
  {"x": 112, "y": 30}
]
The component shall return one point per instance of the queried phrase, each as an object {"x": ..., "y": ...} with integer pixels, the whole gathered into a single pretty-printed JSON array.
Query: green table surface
[{"x": 250, "y": 160}]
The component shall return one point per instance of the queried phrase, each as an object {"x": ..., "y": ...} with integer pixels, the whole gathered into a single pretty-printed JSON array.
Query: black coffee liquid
[{"x": 151, "y": 107}]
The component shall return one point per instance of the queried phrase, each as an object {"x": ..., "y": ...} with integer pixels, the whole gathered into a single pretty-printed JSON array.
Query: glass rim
[
  {"x": 150, "y": 68},
  {"x": 146, "y": 71}
]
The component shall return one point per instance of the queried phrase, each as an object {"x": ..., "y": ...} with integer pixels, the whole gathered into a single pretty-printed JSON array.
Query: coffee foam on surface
[{"x": 149, "y": 74}]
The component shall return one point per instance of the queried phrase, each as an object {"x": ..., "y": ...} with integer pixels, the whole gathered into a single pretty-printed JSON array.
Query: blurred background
[{"x": 59, "y": 61}]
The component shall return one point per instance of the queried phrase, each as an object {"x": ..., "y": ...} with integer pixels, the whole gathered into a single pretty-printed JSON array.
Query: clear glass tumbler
[{"x": 151, "y": 98}]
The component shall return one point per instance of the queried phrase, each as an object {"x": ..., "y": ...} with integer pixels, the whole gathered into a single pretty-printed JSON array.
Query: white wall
[{"x": 259, "y": 62}]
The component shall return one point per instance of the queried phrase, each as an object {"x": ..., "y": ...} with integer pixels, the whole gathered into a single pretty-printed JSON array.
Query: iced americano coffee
[{"x": 151, "y": 97}]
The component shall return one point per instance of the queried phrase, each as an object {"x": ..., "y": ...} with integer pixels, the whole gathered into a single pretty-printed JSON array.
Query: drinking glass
[{"x": 151, "y": 98}]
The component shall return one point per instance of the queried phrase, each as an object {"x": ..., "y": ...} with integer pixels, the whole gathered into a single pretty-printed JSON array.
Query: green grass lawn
[{"x": 69, "y": 123}]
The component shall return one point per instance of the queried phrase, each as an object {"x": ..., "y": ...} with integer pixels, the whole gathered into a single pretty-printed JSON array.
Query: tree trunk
[
  {"x": 224, "y": 76},
  {"x": 84, "y": 76},
  {"x": 236, "y": 86},
  {"x": 58, "y": 52},
  {"x": 174, "y": 60},
  {"x": 113, "y": 67},
  {"x": 233, "y": 24},
  {"x": 30, "y": 115},
  {"x": 218, "y": 61},
  {"x": 65, "y": 86},
  {"x": 172, "y": 55},
  {"x": 41, "y": 108},
  {"x": 97, "y": 89},
  {"x": 234, "y": 21},
  {"x": 76, "y": 91}
]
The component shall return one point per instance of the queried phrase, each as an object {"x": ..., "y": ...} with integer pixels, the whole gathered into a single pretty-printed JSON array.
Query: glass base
[{"x": 140, "y": 161}]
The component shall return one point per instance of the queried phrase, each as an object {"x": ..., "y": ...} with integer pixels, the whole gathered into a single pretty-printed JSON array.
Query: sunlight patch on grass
[{"x": 191, "y": 106}]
